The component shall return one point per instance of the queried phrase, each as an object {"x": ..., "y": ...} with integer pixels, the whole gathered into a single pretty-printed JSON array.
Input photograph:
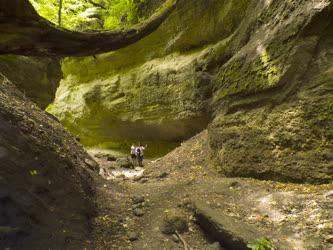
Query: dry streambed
[{"x": 180, "y": 194}]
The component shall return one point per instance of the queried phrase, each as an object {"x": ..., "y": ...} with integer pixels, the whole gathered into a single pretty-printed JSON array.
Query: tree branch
[
  {"x": 24, "y": 32},
  {"x": 96, "y": 4}
]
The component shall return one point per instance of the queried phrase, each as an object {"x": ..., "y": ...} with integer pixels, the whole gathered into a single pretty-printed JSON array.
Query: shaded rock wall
[
  {"x": 46, "y": 190},
  {"x": 37, "y": 78}
]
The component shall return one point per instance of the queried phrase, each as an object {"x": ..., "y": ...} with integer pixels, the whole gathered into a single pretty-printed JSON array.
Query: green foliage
[
  {"x": 261, "y": 244},
  {"x": 90, "y": 14},
  {"x": 121, "y": 13},
  {"x": 33, "y": 172},
  {"x": 47, "y": 9}
]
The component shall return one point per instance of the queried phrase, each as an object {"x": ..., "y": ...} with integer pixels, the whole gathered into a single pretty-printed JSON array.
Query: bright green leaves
[
  {"x": 33, "y": 172},
  {"x": 47, "y": 9},
  {"x": 120, "y": 13},
  {"x": 261, "y": 244},
  {"x": 89, "y": 14}
]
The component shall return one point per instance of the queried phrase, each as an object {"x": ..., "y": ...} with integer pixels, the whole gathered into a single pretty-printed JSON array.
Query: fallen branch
[
  {"x": 97, "y": 4},
  {"x": 186, "y": 247}
]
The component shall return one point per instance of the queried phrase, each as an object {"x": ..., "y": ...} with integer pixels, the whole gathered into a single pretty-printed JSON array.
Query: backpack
[{"x": 138, "y": 151}]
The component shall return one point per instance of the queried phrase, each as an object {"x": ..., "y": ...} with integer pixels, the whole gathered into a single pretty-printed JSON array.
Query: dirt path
[
  {"x": 162, "y": 190},
  {"x": 132, "y": 212}
]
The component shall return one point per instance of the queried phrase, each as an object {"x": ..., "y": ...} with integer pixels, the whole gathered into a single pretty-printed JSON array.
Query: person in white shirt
[{"x": 133, "y": 155}]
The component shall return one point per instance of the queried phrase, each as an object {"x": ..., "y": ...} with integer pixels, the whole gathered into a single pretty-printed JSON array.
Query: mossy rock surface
[
  {"x": 37, "y": 78},
  {"x": 275, "y": 98},
  {"x": 154, "y": 90},
  {"x": 258, "y": 72}
]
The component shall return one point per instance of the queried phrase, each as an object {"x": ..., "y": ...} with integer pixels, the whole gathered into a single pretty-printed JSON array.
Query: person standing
[
  {"x": 133, "y": 155},
  {"x": 139, "y": 152}
]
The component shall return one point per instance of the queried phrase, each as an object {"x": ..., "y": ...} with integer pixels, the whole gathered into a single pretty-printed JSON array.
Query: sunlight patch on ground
[
  {"x": 124, "y": 172},
  {"x": 266, "y": 204}
]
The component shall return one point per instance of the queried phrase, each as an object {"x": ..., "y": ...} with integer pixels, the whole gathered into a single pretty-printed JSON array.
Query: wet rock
[
  {"x": 174, "y": 220},
  {"x": 138, "y": 212},
  {"x": 132, "y": 236}
]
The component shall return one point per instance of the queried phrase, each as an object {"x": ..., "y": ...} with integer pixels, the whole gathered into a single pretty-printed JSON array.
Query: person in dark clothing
[{"x": 139, "y": 152}]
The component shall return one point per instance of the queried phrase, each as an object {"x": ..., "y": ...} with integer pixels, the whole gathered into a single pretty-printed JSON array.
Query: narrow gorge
[{"x": 233, "y": 100}]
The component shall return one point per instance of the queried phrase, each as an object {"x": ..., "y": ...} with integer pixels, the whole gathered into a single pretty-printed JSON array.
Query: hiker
[
  {"x": 133, "y": 155},
  {"x": 139, "y": 150}
]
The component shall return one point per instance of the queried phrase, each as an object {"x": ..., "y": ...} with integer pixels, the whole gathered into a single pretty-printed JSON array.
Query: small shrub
[{"x": 261, "y": 244}]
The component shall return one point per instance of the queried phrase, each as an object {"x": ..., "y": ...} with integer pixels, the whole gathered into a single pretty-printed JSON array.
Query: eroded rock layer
[
  {"x": 274, "y": 96},
  {"x": 152, "y": 90},
  {"x": 259, "y": 72}
]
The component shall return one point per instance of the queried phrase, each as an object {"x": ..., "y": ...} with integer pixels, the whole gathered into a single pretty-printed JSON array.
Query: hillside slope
[{"x": 46, "y": 188}]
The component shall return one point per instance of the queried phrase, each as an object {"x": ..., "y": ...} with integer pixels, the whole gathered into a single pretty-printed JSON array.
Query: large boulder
[{"x": 46, "y": 188}]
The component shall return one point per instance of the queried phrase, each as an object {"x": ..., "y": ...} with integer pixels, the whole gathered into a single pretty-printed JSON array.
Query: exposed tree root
[{"x": 186, "y": 246}]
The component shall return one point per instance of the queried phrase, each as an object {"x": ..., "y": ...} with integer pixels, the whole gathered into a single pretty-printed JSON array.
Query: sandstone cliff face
[
  {"x": 258, "y": 72},
  {"x": 151, "y": 90},
  {"x": 37, "y": 78},
  {"x": 274, "y": 96}
]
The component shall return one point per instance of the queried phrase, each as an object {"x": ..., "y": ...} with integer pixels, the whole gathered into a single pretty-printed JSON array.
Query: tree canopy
[
  {"x": 90, "y": 14},
  {"x": 25, "y": 32}
]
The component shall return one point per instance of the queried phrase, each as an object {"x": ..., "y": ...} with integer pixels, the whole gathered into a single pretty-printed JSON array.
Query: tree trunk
[
  {"x": 59, "y": 12},
  {"x": 24, "y": 32}
]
